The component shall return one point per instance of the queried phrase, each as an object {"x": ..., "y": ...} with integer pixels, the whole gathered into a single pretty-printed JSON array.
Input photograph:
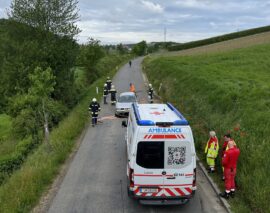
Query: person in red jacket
[
  {"x": 227, "y": 138},
  {"x": 229, "y": 162}
]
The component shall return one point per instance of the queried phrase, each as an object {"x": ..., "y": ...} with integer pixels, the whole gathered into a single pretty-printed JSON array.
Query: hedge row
[{"x": 219, "y": 38}]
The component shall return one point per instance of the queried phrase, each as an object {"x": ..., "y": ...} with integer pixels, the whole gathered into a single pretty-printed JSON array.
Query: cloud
[
  {"x": 156, "y": 8},
  {"x": 134, "y": 20}
]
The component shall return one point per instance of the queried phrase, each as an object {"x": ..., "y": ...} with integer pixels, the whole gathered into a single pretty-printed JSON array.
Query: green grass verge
[
  {"x": 216, "y": 39},
  {"x": 228, "y": 92},
  {"x": 21, "y": 192}
]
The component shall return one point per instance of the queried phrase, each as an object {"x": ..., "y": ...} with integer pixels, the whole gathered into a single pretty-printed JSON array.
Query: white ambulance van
[{"x": 161, "y": 158}]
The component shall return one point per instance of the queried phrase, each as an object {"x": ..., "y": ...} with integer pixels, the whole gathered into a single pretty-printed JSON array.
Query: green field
[{"x": 227, "y": 92}]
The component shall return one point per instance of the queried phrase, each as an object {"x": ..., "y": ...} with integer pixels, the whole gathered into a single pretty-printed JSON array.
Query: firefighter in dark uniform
[
  {"x": 105, "y": 93},
  {"x": 109, "y": 84},
  {"x": 113, "y": 95},
  {"x": 150, "y": 93},
  {"x": 94, "y": 107}
]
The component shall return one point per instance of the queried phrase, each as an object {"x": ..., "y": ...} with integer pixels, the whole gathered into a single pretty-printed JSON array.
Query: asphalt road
[{"x": 96, "y": 178}]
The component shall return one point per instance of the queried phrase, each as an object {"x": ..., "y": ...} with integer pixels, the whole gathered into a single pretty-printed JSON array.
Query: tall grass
[
  {"x": 23, "y": 189},
  {"x": 227, "y": 92}
]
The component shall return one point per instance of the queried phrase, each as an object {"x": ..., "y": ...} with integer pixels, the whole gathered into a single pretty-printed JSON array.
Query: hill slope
[
  {"x": 220, "y": 38},
  {"x": 227, "y": 92},
  {"x": 237, "y": 43}
]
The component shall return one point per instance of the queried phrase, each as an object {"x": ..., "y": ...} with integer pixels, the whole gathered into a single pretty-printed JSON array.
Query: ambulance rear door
[
  {"x": 148, "y": 168},
  {"x": 179, "y": 163}
]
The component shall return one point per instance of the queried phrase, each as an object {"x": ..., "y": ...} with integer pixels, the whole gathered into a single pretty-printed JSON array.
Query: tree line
[{"x": 38, "y": 54}]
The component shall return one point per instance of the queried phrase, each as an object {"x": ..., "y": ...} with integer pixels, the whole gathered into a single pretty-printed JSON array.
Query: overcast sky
[{"x": 129, "y": 21}]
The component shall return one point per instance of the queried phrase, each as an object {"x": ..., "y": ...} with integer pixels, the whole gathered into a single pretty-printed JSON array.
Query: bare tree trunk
[{"x": 46, "y": 125}]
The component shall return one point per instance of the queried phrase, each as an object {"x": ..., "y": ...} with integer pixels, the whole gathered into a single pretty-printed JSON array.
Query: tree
[
  {"x": 56, "y": 16},
  {"x": 25, "y": 48},
  {"x": 121, "y": 49},
  {"x": 31, "y": 109},
  {"x": 90, "y": 55},
  {"x": 140, "y": 48}
]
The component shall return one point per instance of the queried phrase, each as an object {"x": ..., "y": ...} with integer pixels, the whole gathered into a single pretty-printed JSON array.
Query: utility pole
[{"x": 165, "y": 34}]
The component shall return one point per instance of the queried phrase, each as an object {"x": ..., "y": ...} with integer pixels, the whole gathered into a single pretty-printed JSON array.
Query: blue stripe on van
[
  {"x": 183, "y": 121},
  {"x": 138, "y": 117}
]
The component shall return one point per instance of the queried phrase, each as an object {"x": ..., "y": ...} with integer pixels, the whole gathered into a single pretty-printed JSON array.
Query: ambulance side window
[{"x": 150, "y": 155}]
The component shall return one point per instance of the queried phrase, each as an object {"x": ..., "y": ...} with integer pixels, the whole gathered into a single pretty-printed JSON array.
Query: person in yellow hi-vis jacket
[{"x": 211, "y": 151}]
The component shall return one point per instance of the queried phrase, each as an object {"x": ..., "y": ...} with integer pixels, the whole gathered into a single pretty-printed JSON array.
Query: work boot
[
  {"x": 211, "y": 170},
  {"x": 232, "y": 194},
  {"x": 224, "y": 195}
]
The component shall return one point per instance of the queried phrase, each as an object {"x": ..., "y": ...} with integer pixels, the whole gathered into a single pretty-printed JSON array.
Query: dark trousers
[
  {"x": 105, "y": 99},
  {"x": 94, "y": 120}
]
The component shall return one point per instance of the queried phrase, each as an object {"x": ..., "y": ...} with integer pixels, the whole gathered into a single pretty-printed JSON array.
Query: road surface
[{"x": 96, "y": 178}]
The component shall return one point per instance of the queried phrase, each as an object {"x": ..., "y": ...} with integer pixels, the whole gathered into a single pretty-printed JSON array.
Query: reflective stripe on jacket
[{"x": 212, "y": 147}]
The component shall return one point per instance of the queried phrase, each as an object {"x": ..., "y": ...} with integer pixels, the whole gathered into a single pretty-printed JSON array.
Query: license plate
[{"x": 148, "y": 190}]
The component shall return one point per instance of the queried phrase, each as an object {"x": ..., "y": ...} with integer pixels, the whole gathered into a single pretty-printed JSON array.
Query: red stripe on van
[
  {"x": 170, "y": 136},
  {"x": 191, "y": 174},
  {"x": 189, "y": 190},
  {"x": 162, "y": 185},
  {"x": 146, "y": 175},
  {"x": 179, "y": 191},
  {"x": 145, "y": 136},
  {"x": 158, "y": 137},
  {"x": 136, "y": 191},
  {"x": 170, "y": 192}
]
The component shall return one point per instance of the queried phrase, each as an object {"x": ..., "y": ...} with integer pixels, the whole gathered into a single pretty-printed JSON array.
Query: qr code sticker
[{"x": 177, "y": 156}]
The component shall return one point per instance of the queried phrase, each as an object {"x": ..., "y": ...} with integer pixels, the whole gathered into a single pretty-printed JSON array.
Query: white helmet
[
  {"x": 94, "y": 100},
  {"x": 212, "y": 133},
  {"x": 150, "y": 85},
  {"x": 112, "y": 86},
  {"x": 105, "y": 85}
]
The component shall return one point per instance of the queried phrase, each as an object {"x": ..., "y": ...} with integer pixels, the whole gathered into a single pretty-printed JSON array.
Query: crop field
[
  {"x": 242, "y": 42},
  {"x": 225, "y": 92}
]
